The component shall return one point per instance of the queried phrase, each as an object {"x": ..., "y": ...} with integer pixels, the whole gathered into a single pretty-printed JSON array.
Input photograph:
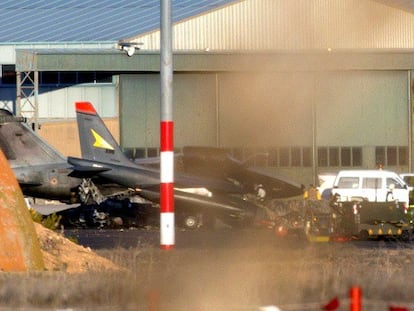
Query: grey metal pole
[
  {"x": 166, "y": 61},
  {"x": 167, "y": 226},
  {"x": 315, "y": 161},
  {"x": 410, "y": 86}
]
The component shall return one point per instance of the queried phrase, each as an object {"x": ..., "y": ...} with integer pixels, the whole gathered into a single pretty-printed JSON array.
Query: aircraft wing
[
  {"x": 233, "y": 207},
  {"x": 219, "y": 164},
  {"x": 47, "y": 209},
  {"x": 276, "y": 186},
  {"x": 22, "y": 146}
]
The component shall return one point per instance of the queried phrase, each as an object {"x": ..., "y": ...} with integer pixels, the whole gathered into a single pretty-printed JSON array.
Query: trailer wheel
[{"x": 363, "y": 235}]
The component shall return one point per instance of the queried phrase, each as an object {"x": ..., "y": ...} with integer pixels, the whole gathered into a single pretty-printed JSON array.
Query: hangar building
[{"x": 299, "y": 87}]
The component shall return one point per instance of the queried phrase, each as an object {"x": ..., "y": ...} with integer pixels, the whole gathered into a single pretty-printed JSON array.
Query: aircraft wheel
[
  {"x": 190, "y": 222},
  {"x": 117, "y": 222}
]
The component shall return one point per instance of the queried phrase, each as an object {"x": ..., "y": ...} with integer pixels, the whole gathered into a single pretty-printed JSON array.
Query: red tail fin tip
[{"x": 85, "y": 107}]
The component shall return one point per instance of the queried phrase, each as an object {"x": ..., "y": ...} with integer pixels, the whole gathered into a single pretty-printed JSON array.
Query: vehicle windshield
[
  {"x": 395, "y": 183},
  {"x": 409, "y": 180}
]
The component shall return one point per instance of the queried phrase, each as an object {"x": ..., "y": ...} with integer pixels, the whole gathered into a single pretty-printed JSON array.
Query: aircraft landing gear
[{"x": 190, "y": 221}]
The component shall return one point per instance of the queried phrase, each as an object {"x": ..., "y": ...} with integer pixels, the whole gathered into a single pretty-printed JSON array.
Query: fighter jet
[
  {"x": 218, "y": 163},
  {"x": 197, "y": 196},
  {"x": 197, "y": 200},
  {"x": 41, "y": 171}
]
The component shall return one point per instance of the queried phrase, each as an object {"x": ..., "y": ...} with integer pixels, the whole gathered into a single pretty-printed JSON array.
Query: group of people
[{"x": 312, "y": 193}]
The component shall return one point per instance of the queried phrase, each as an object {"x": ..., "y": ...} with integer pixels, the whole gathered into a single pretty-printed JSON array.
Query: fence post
[{"x": 355, "y": 294}]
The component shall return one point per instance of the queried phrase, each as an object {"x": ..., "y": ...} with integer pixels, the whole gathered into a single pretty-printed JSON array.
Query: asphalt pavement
[
  {"x": 129, "y": 238},
  {"x": 212, "y": 239}
]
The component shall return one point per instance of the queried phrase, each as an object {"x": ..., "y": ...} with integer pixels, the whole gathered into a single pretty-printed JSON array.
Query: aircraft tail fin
[
  {"x": 22, "y": 146},
  {"x": 97, "y": 142}
]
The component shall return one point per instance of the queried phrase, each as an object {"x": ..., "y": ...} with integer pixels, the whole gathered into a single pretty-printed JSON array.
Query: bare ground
[
  {"x": 61, "y": 254},
  {"x": 291, "y": 274}
]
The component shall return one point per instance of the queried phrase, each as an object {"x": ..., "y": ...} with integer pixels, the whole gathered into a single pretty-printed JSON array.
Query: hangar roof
[
  {"x": 89, "y": 20},
  {"x": 406, "y": 5},
  {"x": 47, "y": 21}
]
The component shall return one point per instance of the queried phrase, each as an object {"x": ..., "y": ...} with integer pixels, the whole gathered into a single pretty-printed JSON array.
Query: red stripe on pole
[
  {"x": 167, "y": 247},
  {"x": 167, "y": 197},
  {"x": 167, "y": 136}
]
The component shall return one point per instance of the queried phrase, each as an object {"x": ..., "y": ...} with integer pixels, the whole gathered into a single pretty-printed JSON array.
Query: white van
[{"x": 371, "y": 185}]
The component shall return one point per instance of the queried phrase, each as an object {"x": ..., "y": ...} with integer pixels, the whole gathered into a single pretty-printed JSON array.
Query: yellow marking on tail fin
[{"x": 100, "y": 142}]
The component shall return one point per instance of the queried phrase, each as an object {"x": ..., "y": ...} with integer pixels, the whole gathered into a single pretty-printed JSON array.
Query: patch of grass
[{"x": 51, "y": 221}]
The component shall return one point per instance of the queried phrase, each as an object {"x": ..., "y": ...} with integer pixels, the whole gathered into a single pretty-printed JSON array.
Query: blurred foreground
[{"x": 248, "y": 270}]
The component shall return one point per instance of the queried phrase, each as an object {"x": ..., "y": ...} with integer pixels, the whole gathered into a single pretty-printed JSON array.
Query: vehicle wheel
[
  {"x": 405, "y": 236},
  {"x": 281, "y": 231},
  {"x": 363, "y": 235},
  {"x": 117, "y": 222}
]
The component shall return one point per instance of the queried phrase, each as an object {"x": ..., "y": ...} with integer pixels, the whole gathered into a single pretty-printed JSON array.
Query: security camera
[
  {"x": 129, "y": 47},
  {"x": 130, "y": 50}
]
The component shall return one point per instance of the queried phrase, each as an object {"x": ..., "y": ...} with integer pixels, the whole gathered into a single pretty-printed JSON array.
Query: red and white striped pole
[
  {"x": 167, "y": 226},
  {"x": 167, "y": 186}
]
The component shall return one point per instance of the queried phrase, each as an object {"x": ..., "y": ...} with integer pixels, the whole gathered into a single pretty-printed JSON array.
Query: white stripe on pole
[
  {"x": 167, "y": 230},
  {"x": 167, "y": 166}
]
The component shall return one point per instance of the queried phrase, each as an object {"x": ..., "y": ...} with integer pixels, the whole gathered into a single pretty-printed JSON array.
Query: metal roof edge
[
  {"x": 59, "y": 43},
  {"x": 149, "y": 61},
  {"x": 63, "y": 50}
]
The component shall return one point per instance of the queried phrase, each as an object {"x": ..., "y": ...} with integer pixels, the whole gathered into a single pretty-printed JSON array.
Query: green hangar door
[
  {"x": 362, "y": 119},
  {"x": 326, "y": 120},
  {"x": 195, "y": 110},
  {"x": 265, "y": 110}
]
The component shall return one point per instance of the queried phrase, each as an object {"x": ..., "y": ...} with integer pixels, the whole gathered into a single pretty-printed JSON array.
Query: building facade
[{"x": 297, "y": 87}]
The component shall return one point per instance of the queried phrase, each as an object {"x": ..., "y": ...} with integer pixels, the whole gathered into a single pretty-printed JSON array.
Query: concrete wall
[{"x": 65, "y": 138}]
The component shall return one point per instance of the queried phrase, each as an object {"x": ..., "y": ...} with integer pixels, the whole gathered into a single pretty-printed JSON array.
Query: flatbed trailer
[{"x": 367, "y": 220}]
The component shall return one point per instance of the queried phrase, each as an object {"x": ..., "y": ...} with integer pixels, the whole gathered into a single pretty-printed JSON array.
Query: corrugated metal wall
[
  {"x": 292, "y": 25},
  {"x": 102, "y": 96}
]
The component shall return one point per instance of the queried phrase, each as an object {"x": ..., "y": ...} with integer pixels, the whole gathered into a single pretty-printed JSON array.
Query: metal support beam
[{"x": 27, "y": 99}]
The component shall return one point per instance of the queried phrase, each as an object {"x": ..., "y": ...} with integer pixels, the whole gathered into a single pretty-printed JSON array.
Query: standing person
[{"x": 312, "y": 193}]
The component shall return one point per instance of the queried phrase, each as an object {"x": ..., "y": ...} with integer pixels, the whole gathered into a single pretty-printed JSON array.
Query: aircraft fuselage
[{"x": 49, "y": 181}]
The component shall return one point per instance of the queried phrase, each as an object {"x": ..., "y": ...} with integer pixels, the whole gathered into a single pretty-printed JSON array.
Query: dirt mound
[{"x": 61, "y": 254}]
